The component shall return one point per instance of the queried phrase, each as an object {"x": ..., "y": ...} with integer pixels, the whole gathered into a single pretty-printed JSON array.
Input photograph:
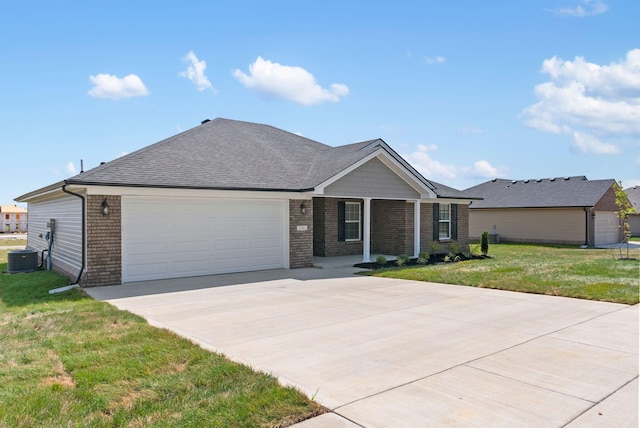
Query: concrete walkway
[{"x": 391, "y": 353}]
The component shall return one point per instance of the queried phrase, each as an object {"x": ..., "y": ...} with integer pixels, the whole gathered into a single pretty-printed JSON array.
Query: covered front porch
[{"x": 367, "y": 227}]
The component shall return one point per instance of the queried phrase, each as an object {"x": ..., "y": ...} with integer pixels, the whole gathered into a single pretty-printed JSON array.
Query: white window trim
[
  {"x": 440, "y": 220},
  {"x": 351, "y": 221}
]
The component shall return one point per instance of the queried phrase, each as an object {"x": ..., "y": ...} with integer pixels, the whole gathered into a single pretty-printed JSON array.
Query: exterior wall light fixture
[
  {"x": 303, "y": 208},
  {"x": 105, "y": 207}
]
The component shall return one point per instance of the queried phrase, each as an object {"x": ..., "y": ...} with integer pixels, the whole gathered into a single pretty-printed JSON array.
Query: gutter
[
  {"x": 168, "y": 186},
  {"x": 84, "y": 234}
]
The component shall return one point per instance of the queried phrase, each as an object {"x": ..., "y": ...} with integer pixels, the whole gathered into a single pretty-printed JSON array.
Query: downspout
[
  {"x": 84, "y": 237},
  {"x": 586, "y": 226}
]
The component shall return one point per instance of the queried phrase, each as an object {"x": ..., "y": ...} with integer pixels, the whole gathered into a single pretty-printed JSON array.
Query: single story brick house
[
  {"x": 633, "y": 193},
  {"x": 231, "y": 196},
  {"x": 564, "y": 210}
]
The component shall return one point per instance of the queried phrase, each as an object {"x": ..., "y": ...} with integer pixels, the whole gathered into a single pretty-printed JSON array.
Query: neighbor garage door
[
  {"x": 176, "y": 237},
  {"x": 606, "y": 228}
]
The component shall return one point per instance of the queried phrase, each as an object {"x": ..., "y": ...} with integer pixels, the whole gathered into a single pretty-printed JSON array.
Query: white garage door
[
  {"x": 606, "y": 228},
  {"x": 175, "y": 237}
]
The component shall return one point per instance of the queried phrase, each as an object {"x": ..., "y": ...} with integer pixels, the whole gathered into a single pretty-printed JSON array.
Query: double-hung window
[
  {"x": 444, "y": 221},
  {"x": 352, "y": 219}
]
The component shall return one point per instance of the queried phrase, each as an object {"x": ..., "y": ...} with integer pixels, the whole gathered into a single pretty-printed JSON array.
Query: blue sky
[{"x": 466, "y": 90}]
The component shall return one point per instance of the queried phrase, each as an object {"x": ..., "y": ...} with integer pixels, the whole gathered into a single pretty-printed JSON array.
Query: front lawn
[
  {"x": 554, "y": 270},
  {"x": 68, "y": 360}
]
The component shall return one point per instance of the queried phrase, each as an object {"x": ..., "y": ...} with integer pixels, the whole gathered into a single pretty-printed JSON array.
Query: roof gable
[{"x": 540, "y": 193}]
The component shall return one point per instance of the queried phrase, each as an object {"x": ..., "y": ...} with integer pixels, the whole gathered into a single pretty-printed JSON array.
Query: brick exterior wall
[
  {"x": 319, "y": 230},
  {"x": 426, "y": 229},
  {"x": 325, "y": 237},
  {"x": 391, "y": 227},
  {"x": 607, "y": 202},
  {"x": 426, "y": 226},
  {"x": 301, "y": 241},
  {"x": 104, "y": 242}
]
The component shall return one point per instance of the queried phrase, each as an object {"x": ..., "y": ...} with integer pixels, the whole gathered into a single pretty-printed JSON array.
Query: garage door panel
[
  {"x": 192, "y": 266},
  {"x": 147, "y": 271},
  {"x": 201, "y": 237},
  {"x": 147, "y": 248},
  {"x": 266, "y": 243},
  {"x": 191, "y": 246},
  {"x": 606, "y": 228}
]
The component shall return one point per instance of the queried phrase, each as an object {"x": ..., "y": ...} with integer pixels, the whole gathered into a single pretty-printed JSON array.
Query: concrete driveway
[{"x": 394, "y": 353}]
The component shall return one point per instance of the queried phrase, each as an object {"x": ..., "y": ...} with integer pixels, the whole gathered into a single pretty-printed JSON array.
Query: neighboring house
[
  {"x": 13, "y": 219},
  {"x": 231, "y": 196},
  {"x": 565, "y": 210},
  {"x": 633, "y": 193}
]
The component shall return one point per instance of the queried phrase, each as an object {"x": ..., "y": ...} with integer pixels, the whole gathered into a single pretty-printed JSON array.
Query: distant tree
[{"x": 624, "y": 209}]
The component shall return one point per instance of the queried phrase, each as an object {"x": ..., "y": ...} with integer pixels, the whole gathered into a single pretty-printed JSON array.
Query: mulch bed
[{"x": 437, "y": 259}]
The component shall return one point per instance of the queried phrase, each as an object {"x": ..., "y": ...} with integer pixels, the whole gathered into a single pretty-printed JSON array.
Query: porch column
[
  {"x": 366, "y": 239},
  {"x": 416, "y": 228}
]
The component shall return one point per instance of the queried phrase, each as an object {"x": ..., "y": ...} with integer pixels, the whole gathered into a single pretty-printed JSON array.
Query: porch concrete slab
[
  {"x": 387, "y": 352},
  {"x": 620, "y": 410}
]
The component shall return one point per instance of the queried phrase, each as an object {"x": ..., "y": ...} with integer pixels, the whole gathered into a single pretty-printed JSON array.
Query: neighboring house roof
[
  {"x": 540, "y": 193},
  {"x": 12, "y": 209},
  {"x": 633, "y": 194},
  {"x": 235, "y": 155}
]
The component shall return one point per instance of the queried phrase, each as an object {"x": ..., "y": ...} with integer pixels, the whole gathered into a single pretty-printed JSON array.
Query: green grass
[
  {"x": 13, "y": 242},
  {"x": 67, "y": 360},
  {"x": 554, "y": 270}
]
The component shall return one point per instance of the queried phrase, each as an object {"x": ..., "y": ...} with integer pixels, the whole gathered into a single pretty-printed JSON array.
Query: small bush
[
  {"x": 423, "y": 258},
  {"x": 381, "y": 260},
  {"x": 454, "y": 248},
  {"x": 403, "y": 259},
  {"x": 484, "y": 243},
  {"x": 434, "y": 248}
]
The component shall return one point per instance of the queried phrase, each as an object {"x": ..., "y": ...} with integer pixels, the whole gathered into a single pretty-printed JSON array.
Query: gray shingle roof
[
  {"x": 633, "y": 194},
  {"x": 540, "y": 193},
  {"x": 230, "y": 154}
]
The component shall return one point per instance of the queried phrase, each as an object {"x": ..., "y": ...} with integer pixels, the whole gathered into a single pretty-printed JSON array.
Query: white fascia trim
[
  {"x": 451, "y": 201},
  {"x": 194, "y": 193},
  {"x": 391, "y": 163}
]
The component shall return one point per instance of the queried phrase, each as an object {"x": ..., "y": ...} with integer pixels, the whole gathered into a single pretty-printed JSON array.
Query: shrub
[
  {"x": 434, "y": 247},
  {"x": 484, "y": 243},
  {"x": 423, "y": 258},
  {"x": 403, "y": 259},
  {"x": 381, "y": 260},
  {"x": 454, "y": 248}
]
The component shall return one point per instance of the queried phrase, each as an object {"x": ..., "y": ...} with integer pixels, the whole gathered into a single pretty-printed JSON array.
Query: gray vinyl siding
[
  {"x": 67, "y": 244},
  {"x": 372, "y": 180}
]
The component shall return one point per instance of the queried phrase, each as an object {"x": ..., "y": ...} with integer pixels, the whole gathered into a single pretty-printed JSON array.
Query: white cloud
[
  {"x": 482, "y": 169},
  {"x": 115, "y": 88},
  {"x": 589, "y": 102},
  {"x": 292, "y": 83},
  {"x": 71, "y": 168},
  {"x": 195, "y": 72},
  {"x": 435, "y": 60},
  {"x": 471, "y": 130},
  {"x": 422, "y": 161},
  {"x": 584, "y": 8}
]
